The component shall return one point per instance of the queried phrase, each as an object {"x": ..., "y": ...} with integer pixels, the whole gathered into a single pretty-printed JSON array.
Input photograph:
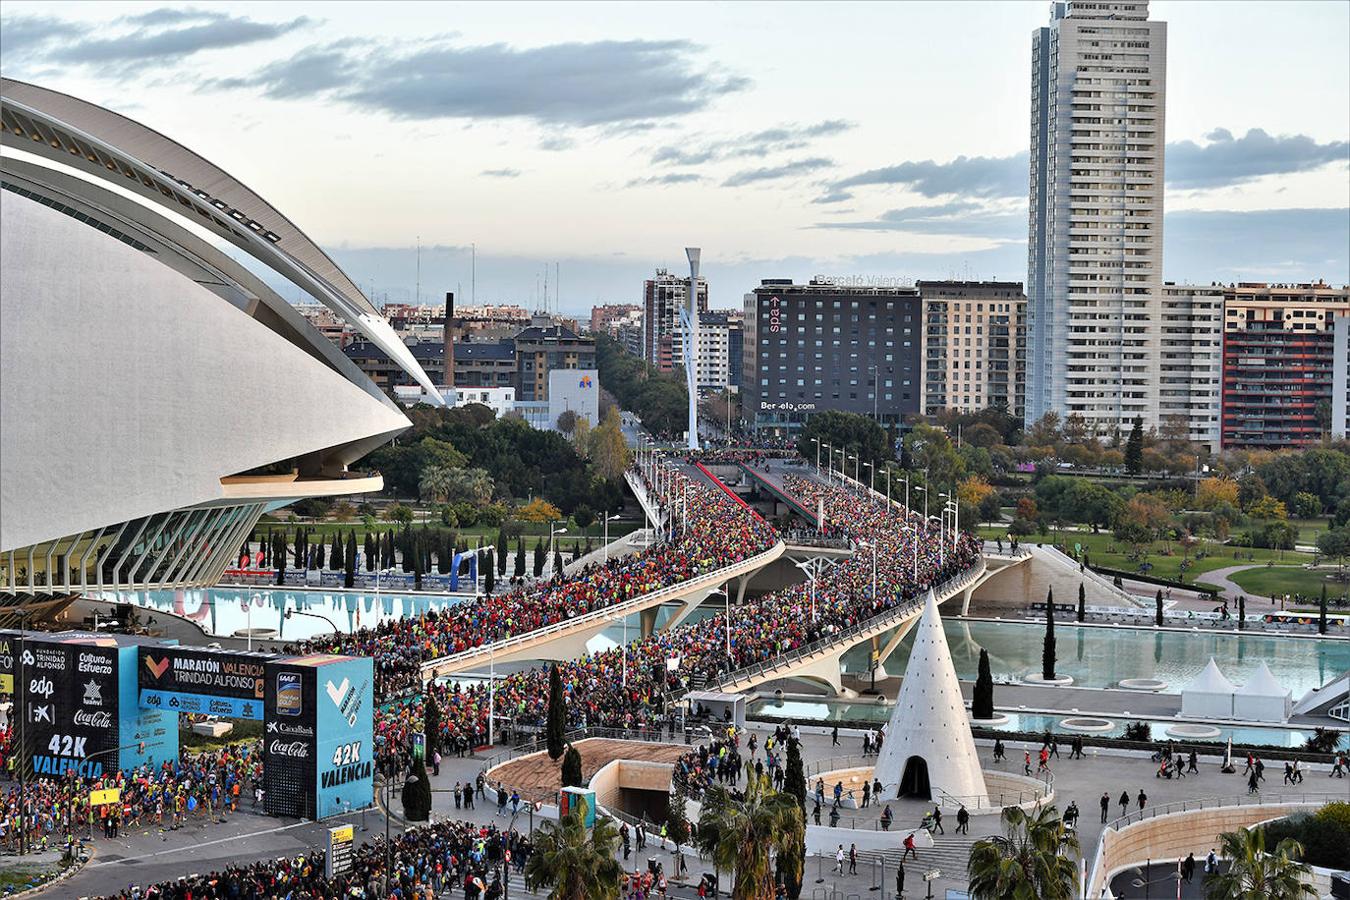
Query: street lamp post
[
  {"x": 816, "y": 441},
  {"x": 608, "y": 519},
  {"x": 942, "y": 529},
  {"x": 552, "y": 533},
  {"x": 871, "y": 477}
]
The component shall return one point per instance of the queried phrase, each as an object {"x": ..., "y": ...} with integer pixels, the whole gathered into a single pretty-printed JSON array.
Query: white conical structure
[{"x": 929, "y": 722}]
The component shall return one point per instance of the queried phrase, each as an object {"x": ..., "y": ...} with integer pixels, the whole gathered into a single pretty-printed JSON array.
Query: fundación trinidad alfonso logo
[{"x": 157, "y": 668}]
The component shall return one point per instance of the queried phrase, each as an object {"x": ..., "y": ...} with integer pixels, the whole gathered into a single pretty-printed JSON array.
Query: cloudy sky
[{"x": 786, "y": 140}]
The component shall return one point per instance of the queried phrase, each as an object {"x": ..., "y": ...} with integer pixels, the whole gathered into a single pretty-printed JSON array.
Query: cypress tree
[
  {"x": 571, "y": 768},
  {"x": 789, "y": 865},
  {"x": 417, "y": 561},
  {"x": 1157, "y": 609},
  {"x": 431, "y": 721},
  {"x": 982, "y": 699},
  {"x": 489, "y": 579},
  {"x": 1082, "y": 602},
  {"x": 1322, "y": 612},
  {"x": 501, "y": 545},
  {"x": 417, "y": 794},
  {"x": 371, "y": 552},
  {"x": 519, "y": 570},
  {"x": 279, "y": 554},
  {"x": 1134, "y": 448},
  {"x": 1242, "y": 612},
  {"x": 335, "y": 554},
  {"x": 349, "y": 578},
  {"x": 557, "y": 564},
  {"x": 1048, "y": 649},
  {"x": 318, "y": 555},
  {"x": 539, "y": 557},
  {"x": 501, "y": 553},
  {"x": 557, "y": 714}
]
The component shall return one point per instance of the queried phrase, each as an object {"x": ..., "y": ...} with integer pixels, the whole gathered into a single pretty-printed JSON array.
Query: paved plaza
[{"x": 148, "y": 855}]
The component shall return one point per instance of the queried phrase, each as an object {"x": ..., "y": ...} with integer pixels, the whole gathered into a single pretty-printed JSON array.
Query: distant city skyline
[{"x": 787, "y": 141}]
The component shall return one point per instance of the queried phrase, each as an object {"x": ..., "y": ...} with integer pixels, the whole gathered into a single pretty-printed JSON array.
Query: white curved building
[{"x": 147, "y": 376}]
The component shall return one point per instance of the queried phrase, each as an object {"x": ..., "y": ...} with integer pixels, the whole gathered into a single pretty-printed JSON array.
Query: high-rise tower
[{"x": 1094, "y": 250}]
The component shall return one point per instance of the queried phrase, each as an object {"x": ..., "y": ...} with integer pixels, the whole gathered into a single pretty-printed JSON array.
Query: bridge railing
[
  {"x": 709, "y": 579},
  {"x": 1183, "y": 806},
  {"x": 872, "y": 623}
]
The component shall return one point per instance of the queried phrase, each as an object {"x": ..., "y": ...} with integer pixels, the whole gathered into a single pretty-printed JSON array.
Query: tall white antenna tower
[{"x": 691, "y": 345}]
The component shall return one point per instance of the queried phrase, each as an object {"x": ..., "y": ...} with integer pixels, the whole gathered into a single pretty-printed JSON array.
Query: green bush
[{"x": 1325, "y": 835}]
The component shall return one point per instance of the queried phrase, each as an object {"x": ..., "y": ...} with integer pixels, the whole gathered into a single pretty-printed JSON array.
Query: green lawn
[
  {"x": 1165, "y": 557},
  {"x": 1309, "y": 529},
  {"x": 1267, "y": 580}
]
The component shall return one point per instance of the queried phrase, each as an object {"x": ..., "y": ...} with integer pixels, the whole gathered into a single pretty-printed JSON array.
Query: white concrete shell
[
  {"x": 105, "y": 145},
  {"x": 929, "y": 722},
  {"x": 145, "y": 375}
]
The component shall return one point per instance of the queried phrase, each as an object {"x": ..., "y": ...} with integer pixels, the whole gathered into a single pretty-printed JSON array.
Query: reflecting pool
[
  {"x": 222, "y": 612},
  {"x": 1100, "y": 657}
]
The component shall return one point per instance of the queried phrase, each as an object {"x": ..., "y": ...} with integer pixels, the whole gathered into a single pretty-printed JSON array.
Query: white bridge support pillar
[{"x": 884, "y": 653}]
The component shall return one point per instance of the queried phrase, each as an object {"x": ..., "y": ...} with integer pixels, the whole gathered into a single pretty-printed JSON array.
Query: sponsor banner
[
  {"x": 346, "y": 751},
  {"x": 70, "y": 697},
  {"x": 148, "y": 735},
  {"x": 290, "y": 740},
  {"x": 205, "y": 704},
  {"x": 203, "y": 672}
]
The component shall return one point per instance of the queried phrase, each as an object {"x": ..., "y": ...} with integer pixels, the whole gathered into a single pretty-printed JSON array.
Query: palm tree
[
  {"x": 1257, "y": 874},
  {"x": 743, "y": 835},
  {"x": 1036, "y": 858},
  {"x": 436, "y": 482},
  {"x": 576, "y": 865}
]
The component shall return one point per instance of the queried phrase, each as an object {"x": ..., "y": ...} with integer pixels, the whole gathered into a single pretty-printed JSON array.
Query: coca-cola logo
[
  {"x": 296, "y": 749},
  {"x": 98, "y": 719}
]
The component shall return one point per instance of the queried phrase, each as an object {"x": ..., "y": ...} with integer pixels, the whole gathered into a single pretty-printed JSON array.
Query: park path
[{"x": 1219, "y": 578}]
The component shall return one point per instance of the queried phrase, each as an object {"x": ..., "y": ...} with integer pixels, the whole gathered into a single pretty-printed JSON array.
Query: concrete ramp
[{"x": 1026, "y": 580}]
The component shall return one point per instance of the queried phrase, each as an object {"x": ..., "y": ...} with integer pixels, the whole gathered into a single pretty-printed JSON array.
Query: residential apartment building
[
  {"x": 714, "y": 351},
  {"x": 1095, "y": 237},
  {"x": 824, "y": 346},
  {"x": 1340, "y": 379},
  {"x": 975, "y": 339},
  {"x": 1279, "y": 363},
  {"x": 608, "y": 317},
  {"x": 663, "y": 336},
  {"x": 735, "y": 348},
  {"x": 544, "y": 347},
  {"x": 1190, "y": 381}
]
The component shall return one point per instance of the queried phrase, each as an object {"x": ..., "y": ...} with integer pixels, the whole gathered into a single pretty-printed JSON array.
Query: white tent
[
  {"x": 1262, "y": 698},
  {"x": 928, "y": 745},
  {"x": 1209, "y": 695}
]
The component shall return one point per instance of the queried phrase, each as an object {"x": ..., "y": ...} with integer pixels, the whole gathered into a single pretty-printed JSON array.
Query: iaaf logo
[
  {"x": 295, "y": 749},
  {"x": 98, "y": 719},
  {"x": 285, "y": 728}
]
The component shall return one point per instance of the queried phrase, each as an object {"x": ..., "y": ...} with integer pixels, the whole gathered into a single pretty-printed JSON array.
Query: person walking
[
  {"x": 886, "y": 817},
  {"x": 853, "y": 859},
  {"x": 962, "y": 820},
  {"x": 839, "y": 860},
  {"x": 1026, "y": 762},
  {"x": 937, "y": 819},
  {"x": 834, "y": 736},
  {"x": 1252, "y": 782},
  {"x": 1193, "y": 766},
  {"x": 1339, "y": 766},
  {"x": 1000, "y": 752},
  {"x": 1124, "y": 802},
  {"x": 909, "y": 848},
  {"x": 900, "y": 880},
  {"x": 1105, "y": 803},
  {"x": 1188, "y": 868},
  {"x": 867, "y": 793},
  {"x": 1143, "y": 798},
  {"x": 1211, "y": 862}
]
